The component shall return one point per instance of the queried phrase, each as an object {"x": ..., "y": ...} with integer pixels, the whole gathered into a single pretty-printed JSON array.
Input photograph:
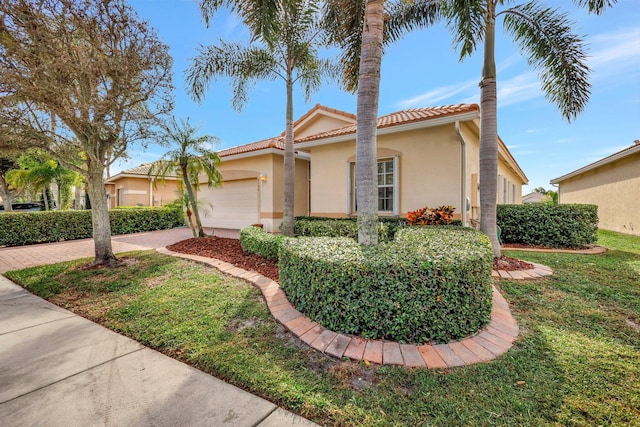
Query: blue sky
[{"x": 423, "y": 70}]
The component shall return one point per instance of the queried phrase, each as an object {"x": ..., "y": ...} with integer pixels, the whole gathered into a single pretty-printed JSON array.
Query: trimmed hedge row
[
  {"x": 335, "y": 228},
  {"x": 555, "y": 226},
  {"x": 431, "y": 283},
  {"x": 27, "y": 228},
  {"x": 317, "y": 226},
  {"x": 256, "y": 240}
]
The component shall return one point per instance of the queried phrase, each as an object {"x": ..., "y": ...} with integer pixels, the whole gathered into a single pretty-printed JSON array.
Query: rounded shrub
[
  {"x": 257, "y": 241},
  {"x": 431, "y": 283}
]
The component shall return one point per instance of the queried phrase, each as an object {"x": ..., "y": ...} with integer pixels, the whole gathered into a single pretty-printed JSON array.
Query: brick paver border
[
  {"x": 494, "y": 340},
  {"x": 536, "y": 272}
]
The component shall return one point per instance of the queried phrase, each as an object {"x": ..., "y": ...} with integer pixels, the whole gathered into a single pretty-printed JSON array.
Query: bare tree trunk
[
  {"x": 100, "y": 220},
  {"x": 367, "y": 116},
  {"x": 7, "y": 197},
  {"x": 78, "y": 203},
  {"x": 489, "y": 136},
  {"x": 289, "y": 164}
]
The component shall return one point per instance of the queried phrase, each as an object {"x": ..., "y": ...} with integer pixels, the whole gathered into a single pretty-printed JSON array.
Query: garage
[{"x": 233, "y": 205}]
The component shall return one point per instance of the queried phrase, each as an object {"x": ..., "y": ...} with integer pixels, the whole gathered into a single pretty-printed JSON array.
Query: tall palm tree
[
  {"x": 358, "y": 27},
  {"x": 191, "y": 159},
  {"x": 546, "y": 37},
  {"x": 285, "y": 39}
]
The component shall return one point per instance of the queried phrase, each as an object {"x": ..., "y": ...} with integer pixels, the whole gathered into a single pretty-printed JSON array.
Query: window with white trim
[{"x": 387, "y": 186}]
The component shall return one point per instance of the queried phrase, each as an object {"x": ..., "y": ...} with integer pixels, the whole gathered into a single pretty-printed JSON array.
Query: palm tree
[
  {"x": 192, "y": 158},
  {"x": 285, "y": 39},
  {"x": 359, "y": 29},
  {"x": 38, "y": 171},
  {"x": 545, "y": 35}
]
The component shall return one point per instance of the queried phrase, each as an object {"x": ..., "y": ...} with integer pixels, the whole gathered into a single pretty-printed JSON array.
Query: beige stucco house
[
  {"x": 426, "y": 156},
  {"x": 612, "y": 183},
  {"x": 134, "y": 187}
]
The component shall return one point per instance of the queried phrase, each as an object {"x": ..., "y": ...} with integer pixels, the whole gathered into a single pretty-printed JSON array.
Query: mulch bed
[{"x": 229, "y": 250}]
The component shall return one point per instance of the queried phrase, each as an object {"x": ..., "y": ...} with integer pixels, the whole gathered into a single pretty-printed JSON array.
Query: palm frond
[
  {"x": 404, "y": 17},
  {"x": 467, "y": 21},
  {"x": 240, "y": 63},
  {"x": 597, "y": 7},
  {"x": 343, "y": 21},
  {"x": 545, "y": 35}
]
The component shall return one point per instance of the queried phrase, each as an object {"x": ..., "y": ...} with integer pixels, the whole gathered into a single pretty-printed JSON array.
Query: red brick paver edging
[
  {"x": 536, "y": 272},
  {"x": 484, "y": 346}
]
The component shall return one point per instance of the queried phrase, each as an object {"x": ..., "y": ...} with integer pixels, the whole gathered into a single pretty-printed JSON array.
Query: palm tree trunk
[
  {"x": 192, "y": 200},
  {"x": 489, "y": 135},
  {"x": 367, "y": 115},
  {"x": 100, "y": 220},
  {"x": 289, "y": 164},
  {"x": 45, "y": 198}
]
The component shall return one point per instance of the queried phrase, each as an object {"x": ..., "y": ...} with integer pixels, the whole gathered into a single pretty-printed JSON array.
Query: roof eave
[
  {"x": 261, "y": 152},
  {"x": 421, "y": 124},
  {"x": 116, "y": 177},
  {"x": 602, "y": 162}
]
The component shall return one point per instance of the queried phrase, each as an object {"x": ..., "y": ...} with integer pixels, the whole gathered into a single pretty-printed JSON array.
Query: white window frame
[{"x": 396, "y": 187}]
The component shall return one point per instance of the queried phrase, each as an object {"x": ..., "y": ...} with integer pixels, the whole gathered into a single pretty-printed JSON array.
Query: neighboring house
[
  {"x": 134, "y": 187},
  {"x": 535, "y": 197},
  {"x": 611, "y": 183},
  {"x": 426, "y": 156}
]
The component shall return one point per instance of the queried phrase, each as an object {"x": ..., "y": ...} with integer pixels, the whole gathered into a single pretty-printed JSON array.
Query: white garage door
[{"x": 234, "y": 205}]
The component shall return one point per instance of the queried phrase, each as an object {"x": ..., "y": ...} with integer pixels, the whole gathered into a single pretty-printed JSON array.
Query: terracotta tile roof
[
  {"x": 141, "y": 170},
  {"x": 324, "y": 108},
  {"x": 393, "y": 119},
  {"x": 277, "y": 142},
  {"x": 401, "y": 118}
]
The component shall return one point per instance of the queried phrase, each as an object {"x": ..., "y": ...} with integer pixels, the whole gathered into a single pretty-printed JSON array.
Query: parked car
[{"x": 21, "y": 207}]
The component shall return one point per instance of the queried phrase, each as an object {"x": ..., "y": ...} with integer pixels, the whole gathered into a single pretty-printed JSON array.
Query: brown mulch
[
  {"x": 510, "y": 264},
  {"x": 229, "y": 250}
]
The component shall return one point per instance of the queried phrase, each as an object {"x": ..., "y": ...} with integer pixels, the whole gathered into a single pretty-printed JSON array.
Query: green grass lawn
[{"x": 576, "y": 362}]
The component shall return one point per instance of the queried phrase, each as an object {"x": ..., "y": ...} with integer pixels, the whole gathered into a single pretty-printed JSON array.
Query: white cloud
[
  {"x": 615, "y": 52},
  {"x": 612, "y": 53},
  {"x": 520, "y": 88},
  {"x": 436, "y": 95}
]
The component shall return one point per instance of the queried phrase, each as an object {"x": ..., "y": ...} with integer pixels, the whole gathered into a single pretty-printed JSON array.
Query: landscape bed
[{"x": 576, "y": 362}]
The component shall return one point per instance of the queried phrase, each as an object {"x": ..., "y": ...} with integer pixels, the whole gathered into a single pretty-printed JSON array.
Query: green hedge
[
  {"x": 26, "y": 228},
  {"x": 258, "y": 241},
  {"x": 314, "y": 226},
  {"x": 554, "y": 226},
  {"x": 431, "y": 283}
]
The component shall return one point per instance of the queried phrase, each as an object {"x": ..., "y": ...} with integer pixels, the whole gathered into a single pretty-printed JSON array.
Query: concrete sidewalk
[{"x": 59, "y": 369}]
